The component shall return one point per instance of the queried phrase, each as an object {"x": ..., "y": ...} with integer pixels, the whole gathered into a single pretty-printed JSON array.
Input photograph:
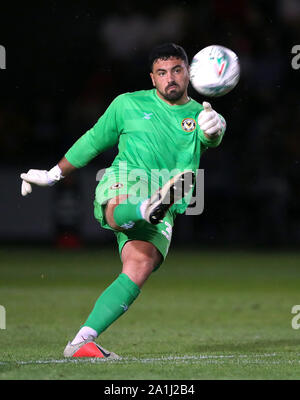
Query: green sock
[
  {"x": 127, "y": 213},
  {"x": 112, "y": 303}
]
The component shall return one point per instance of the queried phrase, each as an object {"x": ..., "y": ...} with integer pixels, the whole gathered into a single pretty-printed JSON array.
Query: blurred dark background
[{"x": 66, "y": 61}]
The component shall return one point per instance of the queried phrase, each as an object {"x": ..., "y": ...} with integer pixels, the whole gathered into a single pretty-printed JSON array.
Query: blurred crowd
[{"x": 65, "y": 64}]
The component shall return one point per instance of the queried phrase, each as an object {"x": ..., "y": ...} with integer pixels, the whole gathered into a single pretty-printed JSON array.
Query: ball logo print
[
  {"x": 2, "y": 57},
  {"x": 221, "y": 64}
]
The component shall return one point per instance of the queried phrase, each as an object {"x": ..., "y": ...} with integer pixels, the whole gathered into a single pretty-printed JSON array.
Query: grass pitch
[{"x": 202, "y": 315}]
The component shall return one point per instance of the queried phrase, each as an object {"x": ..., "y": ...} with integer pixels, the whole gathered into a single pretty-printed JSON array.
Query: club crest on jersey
[
  {"x": 188, "y": 124},
  {"x": 117, "y": 186}
]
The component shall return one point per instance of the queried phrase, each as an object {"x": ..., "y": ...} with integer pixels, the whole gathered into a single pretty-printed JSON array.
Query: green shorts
[{"x": 159, "y": 235}]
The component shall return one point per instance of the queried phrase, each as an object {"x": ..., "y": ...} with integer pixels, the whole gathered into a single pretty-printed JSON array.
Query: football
[{"x": 214, "y": 71}]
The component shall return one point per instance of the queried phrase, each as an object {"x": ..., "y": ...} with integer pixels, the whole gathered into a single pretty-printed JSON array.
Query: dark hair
[{"x": 165, "y": 51}]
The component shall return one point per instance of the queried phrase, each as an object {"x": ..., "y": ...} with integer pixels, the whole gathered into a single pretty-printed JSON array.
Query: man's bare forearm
[{"x": 66, "y": 167}]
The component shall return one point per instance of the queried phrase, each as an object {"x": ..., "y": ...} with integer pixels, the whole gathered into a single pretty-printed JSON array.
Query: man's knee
[
  {"x": 140, "y": 252},
  {"x": 141, "y": 263},
  {"x": 138, "y": 270},
  {"x": 139, "y": 260}
]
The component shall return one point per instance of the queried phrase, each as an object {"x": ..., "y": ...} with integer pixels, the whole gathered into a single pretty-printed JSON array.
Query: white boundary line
[{"x": 254, "y": 358}]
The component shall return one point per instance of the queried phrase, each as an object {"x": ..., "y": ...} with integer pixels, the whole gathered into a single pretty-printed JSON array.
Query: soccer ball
[{"x": 214, "y": 71}]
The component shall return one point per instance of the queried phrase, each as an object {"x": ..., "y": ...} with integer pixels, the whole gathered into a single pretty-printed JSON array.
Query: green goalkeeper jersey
[{"x": 152, "y": 136}]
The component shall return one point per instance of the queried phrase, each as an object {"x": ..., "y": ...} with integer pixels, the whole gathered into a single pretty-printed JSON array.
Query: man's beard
[{"x": 173, "y": 95}]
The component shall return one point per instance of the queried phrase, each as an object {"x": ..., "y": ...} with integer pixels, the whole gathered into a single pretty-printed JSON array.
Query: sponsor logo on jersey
[
  {"x": 147, "y": 115},
  {"x": 188, "y": 124}
]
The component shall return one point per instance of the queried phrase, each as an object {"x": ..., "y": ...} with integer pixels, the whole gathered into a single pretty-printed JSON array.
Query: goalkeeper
[{"x": 156, "y": 130}]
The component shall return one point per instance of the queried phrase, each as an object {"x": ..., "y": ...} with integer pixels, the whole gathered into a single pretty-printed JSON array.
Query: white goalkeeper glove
[
  {"x": 209, "y": 121},
  {"x": 40, "y": 178}
]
